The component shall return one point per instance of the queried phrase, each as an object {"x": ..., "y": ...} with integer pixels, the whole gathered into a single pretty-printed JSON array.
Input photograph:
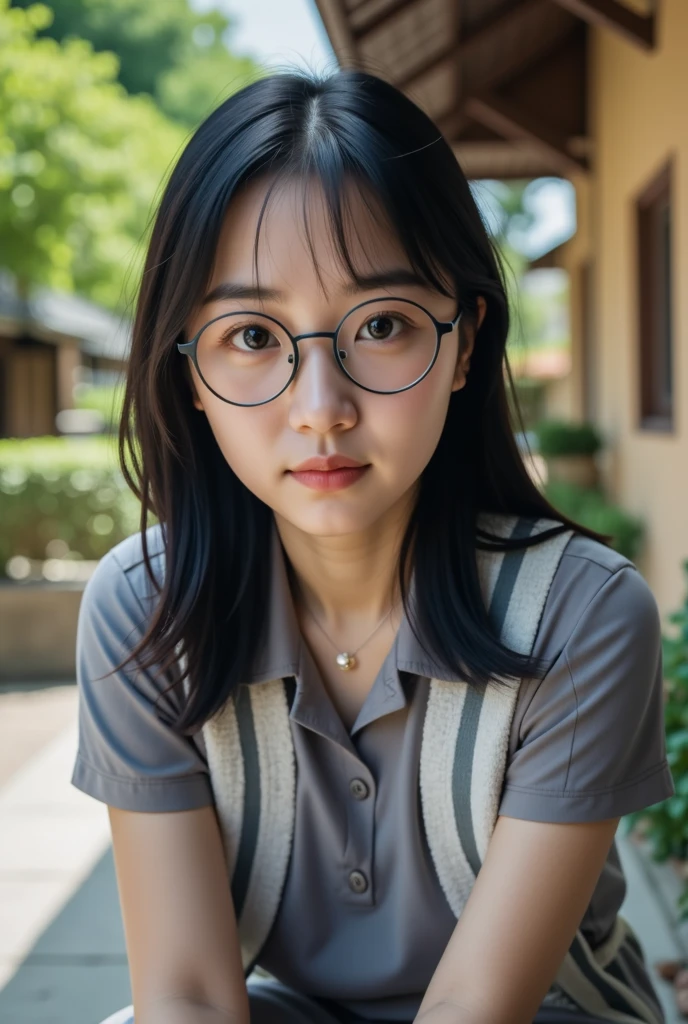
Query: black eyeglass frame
[{"x": 190, "y": 348}]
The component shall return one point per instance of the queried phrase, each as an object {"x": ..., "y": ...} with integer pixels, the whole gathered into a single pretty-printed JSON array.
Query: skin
[
  {"x": 342, "y": 545},
  {"x": 537, "y": 878}
]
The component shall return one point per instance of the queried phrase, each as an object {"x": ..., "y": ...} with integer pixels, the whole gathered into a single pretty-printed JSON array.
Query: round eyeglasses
[{"x": 384, "y": 345}]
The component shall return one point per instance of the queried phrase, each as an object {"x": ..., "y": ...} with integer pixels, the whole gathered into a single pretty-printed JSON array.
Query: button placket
[
  {"x": 359, "y": 789},
  {"x": 358, "y": 882},
  {"x": 360, "y": 812}
]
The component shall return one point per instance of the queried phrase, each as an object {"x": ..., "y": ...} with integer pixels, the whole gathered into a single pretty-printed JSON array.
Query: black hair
[{"x": 348, "y": 126}]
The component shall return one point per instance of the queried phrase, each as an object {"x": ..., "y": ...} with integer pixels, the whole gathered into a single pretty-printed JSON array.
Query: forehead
[{"x": 292, "y": 236}]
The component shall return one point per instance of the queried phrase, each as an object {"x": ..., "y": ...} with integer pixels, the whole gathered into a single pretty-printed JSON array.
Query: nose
[{"x": 321, "y": 395}]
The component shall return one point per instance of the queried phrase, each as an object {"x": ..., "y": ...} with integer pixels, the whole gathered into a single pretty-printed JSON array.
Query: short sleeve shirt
[{"x": 363, "y": 921}]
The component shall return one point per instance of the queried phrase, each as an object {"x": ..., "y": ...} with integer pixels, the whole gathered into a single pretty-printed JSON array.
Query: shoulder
[
  {"x": 594, "y": 590},
  {"x": 603, "y": 572},
  {"x": 591, "y": 552},
  {"x": 120, "y": 578}
]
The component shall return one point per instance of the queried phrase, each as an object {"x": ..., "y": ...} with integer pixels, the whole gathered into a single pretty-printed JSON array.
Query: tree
[
  {"x": 166, "y": 49},
  {"x": 81, "y": 161}
]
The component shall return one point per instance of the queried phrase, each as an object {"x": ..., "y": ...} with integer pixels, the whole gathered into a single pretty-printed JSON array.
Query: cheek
[
  {"x": 406, "y": 428},
  {"x": 246, "y": 438}
]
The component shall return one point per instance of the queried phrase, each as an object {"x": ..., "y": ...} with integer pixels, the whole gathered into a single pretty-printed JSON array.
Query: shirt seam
[
  {"x": 611, "y": 574},
  {"x": 575, "y": 723},
  {"x": 138, "y": 780},
  {"x": 125, "y": 573},
  {"x": 589, "y": 558},
  {"x": 655, "y": 770}
]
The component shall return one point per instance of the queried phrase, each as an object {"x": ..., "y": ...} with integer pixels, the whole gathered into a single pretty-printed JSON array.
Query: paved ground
[{"x": 62, "y": 956}]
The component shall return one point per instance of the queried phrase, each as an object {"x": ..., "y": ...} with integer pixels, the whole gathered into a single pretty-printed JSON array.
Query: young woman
[{"x": 365, "y": 709}]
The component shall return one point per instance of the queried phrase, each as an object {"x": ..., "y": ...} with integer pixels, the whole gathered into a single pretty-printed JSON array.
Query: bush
[
  {"x": 66, "y": 491},
  {"x": 103, "y": 398},
  {"x": 590, "y": 508},
  {"x": 530, "y": 395},
  {"x": 557, "y": 437},
  {"x": 665, "y": 825}
]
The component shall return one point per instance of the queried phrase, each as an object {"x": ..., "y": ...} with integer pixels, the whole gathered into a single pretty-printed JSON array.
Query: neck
[{"x": 350, "y": 577}]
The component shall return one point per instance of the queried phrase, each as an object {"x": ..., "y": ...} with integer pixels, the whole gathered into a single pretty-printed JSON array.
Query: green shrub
[
  {"x": 54, "y": 489},
  {"x": 558, "y": 437},
  {"x": 103, "y": 398},
  {"x": 590, "y": 508},
  {"x": 665, "y": 825},
  {"x": 530, "y": 395}
]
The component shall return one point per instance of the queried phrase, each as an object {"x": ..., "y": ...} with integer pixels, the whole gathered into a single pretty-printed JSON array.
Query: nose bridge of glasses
[{"x": 331, "y": 335}]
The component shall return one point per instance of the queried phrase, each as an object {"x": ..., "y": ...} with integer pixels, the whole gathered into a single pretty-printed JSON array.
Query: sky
[
  {"x": 277, "y": 31},
  {"x": 290, "y": 31}
]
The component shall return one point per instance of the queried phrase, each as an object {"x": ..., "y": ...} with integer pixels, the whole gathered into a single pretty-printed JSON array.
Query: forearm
[
  {"x": 183, "y": 1010},
  {"x": 447, "y": 1012}
]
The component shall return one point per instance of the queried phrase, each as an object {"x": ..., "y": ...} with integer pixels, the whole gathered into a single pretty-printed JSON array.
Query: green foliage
[
  {"x": 559, "y": 437},
  {"x": 80, "y": 161},
  {"x": 665, "y": 825},
  {"x": 52, "y": 489},
  {"x": 590, "y": 508},
  {"x": 530, "y": 395},
  {"x": 103, "y": 398},
  {"x": 164, "y": 47}
]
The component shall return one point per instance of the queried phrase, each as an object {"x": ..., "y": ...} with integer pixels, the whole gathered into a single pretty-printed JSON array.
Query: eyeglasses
[{"x": 384, "y": 345}]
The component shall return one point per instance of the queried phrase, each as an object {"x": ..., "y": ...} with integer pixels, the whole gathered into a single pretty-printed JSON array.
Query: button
[
  {"x": 358, "y": 882},
  {"x": 359, "y": 789}
]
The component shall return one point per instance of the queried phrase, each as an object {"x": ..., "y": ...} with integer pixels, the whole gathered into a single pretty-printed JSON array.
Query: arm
[
  {"x": 520, "y": 919},
  {"x": 179, "y": 921}
]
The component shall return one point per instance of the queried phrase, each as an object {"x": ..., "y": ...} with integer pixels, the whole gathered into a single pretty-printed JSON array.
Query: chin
[{"x": 332, "y": 522}]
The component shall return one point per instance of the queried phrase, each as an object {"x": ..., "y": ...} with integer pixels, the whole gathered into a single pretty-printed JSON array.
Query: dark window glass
[{"x": 654, "y": 220}]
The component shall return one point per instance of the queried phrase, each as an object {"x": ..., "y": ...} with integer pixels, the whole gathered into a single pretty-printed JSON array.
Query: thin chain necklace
[{"x": 346, "y": 660}]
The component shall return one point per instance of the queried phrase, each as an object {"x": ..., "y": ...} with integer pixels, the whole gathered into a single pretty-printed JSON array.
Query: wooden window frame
[{"x": 653, "y": 207}]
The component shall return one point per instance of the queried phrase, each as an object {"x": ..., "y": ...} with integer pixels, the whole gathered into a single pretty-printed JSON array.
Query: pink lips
[{"x": 328, "y": 473}]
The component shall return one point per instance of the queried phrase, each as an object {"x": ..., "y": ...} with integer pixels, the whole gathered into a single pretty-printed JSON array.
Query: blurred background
[{"x": 569, "y": 119}]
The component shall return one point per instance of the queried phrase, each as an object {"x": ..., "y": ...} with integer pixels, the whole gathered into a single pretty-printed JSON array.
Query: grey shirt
[{"x": 587, "y": 743}]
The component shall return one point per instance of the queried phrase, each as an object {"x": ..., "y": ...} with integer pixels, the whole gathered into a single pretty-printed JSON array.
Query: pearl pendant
[{"x": 346, "y": 661}]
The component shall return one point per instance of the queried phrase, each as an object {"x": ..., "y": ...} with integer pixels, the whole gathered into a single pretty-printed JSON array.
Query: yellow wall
[{"x": 639, "y": 118}]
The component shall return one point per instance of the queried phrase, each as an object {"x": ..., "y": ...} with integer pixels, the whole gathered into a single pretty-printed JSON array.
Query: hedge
[
  {"x": 58, "y": 490},
  {"x": 560, "y": 437},
  {"x": 590, "y": 508}
]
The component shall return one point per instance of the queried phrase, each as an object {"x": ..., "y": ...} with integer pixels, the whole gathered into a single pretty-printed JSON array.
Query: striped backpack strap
[
  {"x": 466, "y": 729},
  {"x": 253, "y": 774},
  {"x": 462, "y": 767}
]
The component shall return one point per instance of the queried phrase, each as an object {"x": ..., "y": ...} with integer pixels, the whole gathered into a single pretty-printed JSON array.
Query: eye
[
  {"x": 250, "y": 338},
  {"x": 381, "y": 327}
]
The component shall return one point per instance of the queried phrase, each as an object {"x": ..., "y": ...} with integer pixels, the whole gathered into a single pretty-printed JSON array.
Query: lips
[
  {"x": 326, "y": 464},
  {"x": 329, "y": 473}
]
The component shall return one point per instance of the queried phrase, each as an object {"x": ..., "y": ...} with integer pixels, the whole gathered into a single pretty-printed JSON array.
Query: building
[
  {"x": 49, "y": 342},
  {"x": 594, "y": 91}
]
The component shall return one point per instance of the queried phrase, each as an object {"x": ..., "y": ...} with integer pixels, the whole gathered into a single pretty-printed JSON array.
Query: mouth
[{"x": 329, "y": 473}]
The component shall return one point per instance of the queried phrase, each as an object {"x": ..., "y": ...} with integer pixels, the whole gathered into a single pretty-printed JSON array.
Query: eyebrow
[{"x": 366, "y": 282}]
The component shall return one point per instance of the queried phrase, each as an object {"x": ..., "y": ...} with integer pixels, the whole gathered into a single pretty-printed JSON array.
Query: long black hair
[{"x": 348, "y": 126}]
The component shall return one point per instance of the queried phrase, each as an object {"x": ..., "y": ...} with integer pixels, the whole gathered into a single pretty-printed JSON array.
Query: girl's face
[{"x": 323, "y": 413}]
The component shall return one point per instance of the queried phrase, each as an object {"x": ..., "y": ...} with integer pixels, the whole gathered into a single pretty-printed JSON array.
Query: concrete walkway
[{"x": 62, "y": 953}]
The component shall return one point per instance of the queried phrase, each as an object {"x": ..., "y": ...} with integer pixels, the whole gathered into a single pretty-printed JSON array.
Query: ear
[
  {"x": 466, "y": 346},
  {"x": 196, "y": 401}
]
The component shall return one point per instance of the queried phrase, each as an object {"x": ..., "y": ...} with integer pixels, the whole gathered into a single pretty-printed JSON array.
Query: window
[
  {"x": 654, "y": 234},
  {"x": 588, "y": 354}
]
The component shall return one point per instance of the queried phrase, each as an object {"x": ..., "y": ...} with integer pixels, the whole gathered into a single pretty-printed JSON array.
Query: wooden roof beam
[
  {"x": 512, "y": 122},
  {"x": 611, "y": 14},
  {"x": 337, "y": 28},
  {"x": 363, "y": 26},
  {"x": 466, "y": 45}
]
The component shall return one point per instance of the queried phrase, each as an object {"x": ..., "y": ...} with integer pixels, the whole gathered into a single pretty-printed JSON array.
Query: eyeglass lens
[{"x": 385, "y": 346}]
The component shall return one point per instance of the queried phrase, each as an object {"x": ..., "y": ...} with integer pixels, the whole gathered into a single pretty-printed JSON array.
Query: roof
[
  {"x": 505, "y": 80},
  {"x": 57, "y": 317}
]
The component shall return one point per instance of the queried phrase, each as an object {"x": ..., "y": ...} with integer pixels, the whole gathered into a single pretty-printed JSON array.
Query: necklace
[{"x": 346, "y": 660}]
